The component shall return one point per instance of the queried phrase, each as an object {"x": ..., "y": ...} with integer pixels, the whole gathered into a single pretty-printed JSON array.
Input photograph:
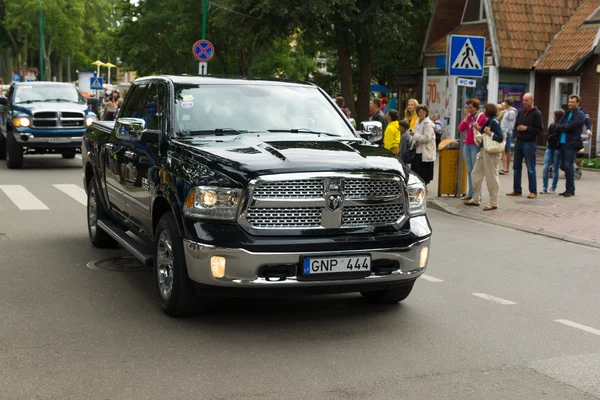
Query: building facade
[{"x": 546, "y": 47}]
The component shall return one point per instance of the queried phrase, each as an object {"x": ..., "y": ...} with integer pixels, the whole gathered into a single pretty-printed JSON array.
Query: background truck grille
[
  {"x": 293, "y": 217},
  {"x": 292, "y": 203},
  {"x": 54, "y": 119},
  {"x": 371, "y": 215}
]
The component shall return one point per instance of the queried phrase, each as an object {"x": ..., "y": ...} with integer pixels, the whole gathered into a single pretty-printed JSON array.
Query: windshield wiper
[
  {"x": 219, "y": 132},
  {"x": 27, "y": 101},
  {"x": 302, "y": 130},
  {"x": 59, "y": 100}
]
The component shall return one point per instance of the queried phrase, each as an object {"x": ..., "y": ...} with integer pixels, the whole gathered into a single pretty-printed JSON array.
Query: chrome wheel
[
  {"x": 92, "y": 213},
  {"x": 164, "y": 264}
]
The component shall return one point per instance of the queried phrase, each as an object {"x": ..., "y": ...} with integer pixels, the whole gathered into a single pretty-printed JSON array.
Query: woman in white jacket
[{"x": 424, "y": 140}]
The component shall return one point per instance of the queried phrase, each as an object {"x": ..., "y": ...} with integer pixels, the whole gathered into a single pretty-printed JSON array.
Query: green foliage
[
  {"x": 252, "y": 37},
  {"x": 590, "y": 163}
]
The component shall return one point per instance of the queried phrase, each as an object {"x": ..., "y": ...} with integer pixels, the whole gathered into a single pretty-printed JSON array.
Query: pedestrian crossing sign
[
  {"x": 95, "y": 83},
  {"x": 466, "y": 55}
]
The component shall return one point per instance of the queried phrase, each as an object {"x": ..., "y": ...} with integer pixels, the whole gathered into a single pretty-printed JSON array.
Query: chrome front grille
[
  {"x": 57, "y": 119},
  {"x": 293, "y": 202},
  {"x": 365, "y": 188},
  {"x": 290, "y": 217},
  {"x": 302, "y": 189},
  {"x": 371, "y": 215}
]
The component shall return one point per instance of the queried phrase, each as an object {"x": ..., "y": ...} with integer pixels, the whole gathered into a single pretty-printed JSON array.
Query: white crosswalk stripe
[
  {"x": 73, "y": 191},
  {"x": 23, "y": 198}
]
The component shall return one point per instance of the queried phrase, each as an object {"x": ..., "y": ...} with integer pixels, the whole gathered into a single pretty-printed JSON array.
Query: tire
[
  {"x": 2, "y": 147},
  {"x": 14, "y": 152},
  {"x": 550, "y": 172},
  {"x": 176, "y": 293},
  {"x": 68, "y": 155},
  {"x": 389, "y": 296},
  {"x": 578, "y": 174},
  {"x": 96, "y": 211}
]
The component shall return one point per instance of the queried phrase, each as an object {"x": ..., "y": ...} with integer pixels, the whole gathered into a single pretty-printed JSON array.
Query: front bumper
[
  {"x": 49, "y": 138},
  {"x": 245, "y": 269}
]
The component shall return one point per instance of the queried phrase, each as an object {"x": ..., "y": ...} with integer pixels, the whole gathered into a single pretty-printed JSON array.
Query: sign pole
[{"x": 204, "y": 11}]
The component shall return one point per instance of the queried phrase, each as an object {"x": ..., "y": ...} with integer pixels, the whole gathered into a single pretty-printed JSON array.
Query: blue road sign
[
  {"x": 16, "y": 78},
  {"x": 466, "y": 56},
  {"x": 203, "y": 50},
  {"x": 96, "y": 83}
]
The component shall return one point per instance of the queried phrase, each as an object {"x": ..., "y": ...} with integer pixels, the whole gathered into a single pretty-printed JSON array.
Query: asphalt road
[{"x": 501, "y": 315}]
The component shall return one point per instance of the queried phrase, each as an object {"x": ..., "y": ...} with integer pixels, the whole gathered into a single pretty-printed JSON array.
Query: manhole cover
[
  {"x": 3, "y": 236},
  {"x": 119, "y": 264},
  {"x": 536, "y": 203}
]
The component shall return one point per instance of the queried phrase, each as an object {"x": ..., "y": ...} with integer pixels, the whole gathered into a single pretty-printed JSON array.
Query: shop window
[{"x": 474, "y": 12}]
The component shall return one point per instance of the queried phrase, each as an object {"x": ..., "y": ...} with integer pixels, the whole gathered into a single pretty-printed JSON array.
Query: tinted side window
[
  {"x": 153, "y": 109},
  {"x": 135, "y": 103}
]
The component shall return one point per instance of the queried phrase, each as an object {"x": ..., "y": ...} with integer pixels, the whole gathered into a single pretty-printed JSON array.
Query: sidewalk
[{"x": 575, "y": 219}]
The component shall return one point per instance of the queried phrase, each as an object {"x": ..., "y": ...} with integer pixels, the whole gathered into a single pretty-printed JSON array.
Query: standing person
[
  {"x": 110, "y": 108},
  {"x": 340, "y": 103},
  {"x": 438, "y": 129},
  {"x": 473, "y": 120},
  {"x": 508, "y": 124},
  {"x": 377, "y": 115},
  {"x": 424, "y": 138},
  {"x": 407, "y": 154},
  {"x": 571, "y": 126},
  {"x": 486, "y": 165},
  {"x": 391, "y": 136},
  {"x": 552, "y": 154},
  {"x": 410, "y": 114},
  {"x": 529, "y": 124}
]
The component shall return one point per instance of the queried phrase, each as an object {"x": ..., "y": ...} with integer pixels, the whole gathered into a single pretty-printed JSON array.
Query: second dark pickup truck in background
[{"x": 251, "y": 187}]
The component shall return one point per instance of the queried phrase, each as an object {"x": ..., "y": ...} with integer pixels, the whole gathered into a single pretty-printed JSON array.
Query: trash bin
[{"x": 448, "y": 168}]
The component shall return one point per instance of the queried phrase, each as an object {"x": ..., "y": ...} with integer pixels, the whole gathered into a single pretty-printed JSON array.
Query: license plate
[
  {"x": 59, "y": 140},
  {"x": 328, "y": 265}
]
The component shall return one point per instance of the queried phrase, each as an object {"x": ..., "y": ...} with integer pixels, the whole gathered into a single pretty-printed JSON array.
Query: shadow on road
[{"x": 49, "y": 161}]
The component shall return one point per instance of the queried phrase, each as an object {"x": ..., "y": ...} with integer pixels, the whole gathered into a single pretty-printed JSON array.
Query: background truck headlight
[
  {"x": 90, "y": 120},
  {"x": 213, "y": 203},
  {"x": 416, "y": 196},
  {"x": 22, "y": 121}
]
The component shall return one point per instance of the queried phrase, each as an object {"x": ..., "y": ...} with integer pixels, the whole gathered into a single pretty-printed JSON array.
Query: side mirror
[
  {"x": 130, "y": 128},
  {"x": 371, "y": 131},
  {"x": 3, "y": 101}
]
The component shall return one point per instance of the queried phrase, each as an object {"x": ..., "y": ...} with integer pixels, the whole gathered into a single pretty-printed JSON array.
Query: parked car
[
  {"x": 252, "y": 187},
  {"x": 42, "y": 118}
]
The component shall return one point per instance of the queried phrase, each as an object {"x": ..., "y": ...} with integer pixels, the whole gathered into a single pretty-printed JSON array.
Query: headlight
[
  {"x": 213, "y": 203},
  {"x": 416, "y": 196},
  {"x": 24, "y": 122},
  {"x": 89, "y": 121}
]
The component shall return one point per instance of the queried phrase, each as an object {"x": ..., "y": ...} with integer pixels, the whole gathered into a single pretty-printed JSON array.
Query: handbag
[
  {"x": 491, "y": 146},
  {"x": 477, "y": 136}
]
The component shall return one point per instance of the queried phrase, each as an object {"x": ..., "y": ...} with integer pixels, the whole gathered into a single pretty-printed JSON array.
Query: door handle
[
  {"x": 130, "y": 154},
  {"x": 109, "y": 146}
]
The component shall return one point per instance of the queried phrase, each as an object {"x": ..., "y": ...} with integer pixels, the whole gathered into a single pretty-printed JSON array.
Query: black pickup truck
[
  {"x": 42, "y": 118},
  {"x": 252, "y": 187}
]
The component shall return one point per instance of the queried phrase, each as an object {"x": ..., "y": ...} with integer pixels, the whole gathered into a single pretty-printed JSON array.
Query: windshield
[
  {"x": 235, "y": 109},
  {"x": 46, "y": 93}
]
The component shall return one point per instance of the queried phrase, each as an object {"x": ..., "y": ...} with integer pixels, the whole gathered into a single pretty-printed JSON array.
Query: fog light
[
  {"x": 217, "y": 266},
  {"x": 424, "y": 256}
]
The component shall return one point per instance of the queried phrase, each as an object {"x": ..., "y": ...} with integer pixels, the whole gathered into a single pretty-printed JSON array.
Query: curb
[{"x": 449, "y": 209}]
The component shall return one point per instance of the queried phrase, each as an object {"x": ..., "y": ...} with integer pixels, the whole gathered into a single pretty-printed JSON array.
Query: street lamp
[{"x": 41, "y": 40}]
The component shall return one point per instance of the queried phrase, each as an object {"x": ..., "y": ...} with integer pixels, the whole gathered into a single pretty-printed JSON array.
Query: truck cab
[
  {"x": 252, "y": 187},
  {"x": 42, "y": 118}
]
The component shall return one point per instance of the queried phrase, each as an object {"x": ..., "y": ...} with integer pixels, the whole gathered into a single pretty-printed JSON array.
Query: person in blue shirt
[{"x": 571, "y": 126}]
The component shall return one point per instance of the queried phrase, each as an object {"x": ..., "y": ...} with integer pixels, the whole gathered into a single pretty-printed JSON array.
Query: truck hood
[
  {"x": 247, "y": 156},
  {"x": 29, "y": 108}
]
